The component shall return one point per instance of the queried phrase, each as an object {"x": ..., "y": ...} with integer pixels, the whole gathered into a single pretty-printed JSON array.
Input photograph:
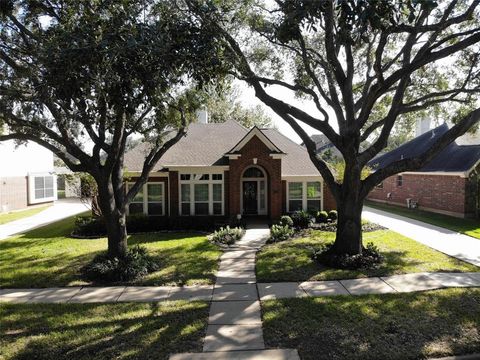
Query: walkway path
[
  {"x": 461, "y": 246},
  {"x": 60, "y": 210}
]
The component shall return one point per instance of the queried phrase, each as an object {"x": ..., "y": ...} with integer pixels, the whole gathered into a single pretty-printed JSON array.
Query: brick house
[
  {"x": 225, "y": 170},
  {"x": 449, "y": 184}
]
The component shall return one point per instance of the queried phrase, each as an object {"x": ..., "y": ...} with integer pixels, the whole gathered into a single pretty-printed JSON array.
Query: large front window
[
  {"x": 201, "y": 194},
  {"x": 150, "y": 200},
  {"x": 305, "y": 195}
]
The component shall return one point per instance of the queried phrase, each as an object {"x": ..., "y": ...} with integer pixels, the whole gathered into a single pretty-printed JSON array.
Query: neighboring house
[
  {"x": 26, "y": 176},
  {"x": 325, "y": 148},
  {"x": 226, "y": 170},
  {"x": 448, "y": 184}
]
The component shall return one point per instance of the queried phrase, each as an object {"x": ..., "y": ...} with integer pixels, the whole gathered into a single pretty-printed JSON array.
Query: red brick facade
[
  {"x": 329, "y": 202},
  {"x": 256, "y": 149},
  {"x": 439, "y": 193}
]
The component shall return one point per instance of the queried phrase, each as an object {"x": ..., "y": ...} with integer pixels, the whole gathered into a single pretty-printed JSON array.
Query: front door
[{"x": 250, "y": 197}]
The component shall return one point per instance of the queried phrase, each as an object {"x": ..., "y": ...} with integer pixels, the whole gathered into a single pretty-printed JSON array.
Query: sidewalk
[
  {"x": 60, "y": 210},
  {"x": 449, "y": 242}
]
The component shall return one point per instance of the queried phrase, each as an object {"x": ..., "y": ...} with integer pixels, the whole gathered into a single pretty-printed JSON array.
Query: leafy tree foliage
[
  {"x": 82, "y": 78},
  {"x": 370, "y": 63},
  {"x": 223, "y": 105}
]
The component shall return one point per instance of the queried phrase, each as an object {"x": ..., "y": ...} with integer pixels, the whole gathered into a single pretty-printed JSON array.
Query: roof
[
  {"x": 454, "y": 158},
  {"x": 207, "y": 145},
  {"x": 322, "y": 144}
]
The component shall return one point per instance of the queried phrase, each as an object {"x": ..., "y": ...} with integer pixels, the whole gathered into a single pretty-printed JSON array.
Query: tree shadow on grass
[
  {"x": 390, "y": 326},
  {"x": 103, "y": 331}
]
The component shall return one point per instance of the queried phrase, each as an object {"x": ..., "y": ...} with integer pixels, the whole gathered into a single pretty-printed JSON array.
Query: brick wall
[
  {"x": 439, "y": 193},
  {"x": 174, "y": 196},
  {"x": 13, "y": 193},
  {"x": 329, "y": 202},
  {"x": 255, "y": 148}
]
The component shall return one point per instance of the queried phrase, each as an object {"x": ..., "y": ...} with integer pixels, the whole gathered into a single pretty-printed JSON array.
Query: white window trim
[
  {"x": 304, "y": 193},
  {"x": 31, "y": 188},
  {"x": 145, "y": 197},
  {"x": 192, "y": 183}
]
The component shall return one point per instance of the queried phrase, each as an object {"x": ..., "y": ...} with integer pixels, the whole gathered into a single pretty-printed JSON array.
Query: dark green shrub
[
  {"x": 203, "y": 223},
  {"x": 280, "y": 233},
  {"x": 227, "y": 235},
  {"x": 301, "y": 219},
  {"x": 322, "y": 217},
  {"x": 286, "y": 220},
  {"x": 333, "y": 215},
  {"x": 136, "y": 264},
  {"x": 89, "y": 226},
  {"x": 369, "y": 259}
]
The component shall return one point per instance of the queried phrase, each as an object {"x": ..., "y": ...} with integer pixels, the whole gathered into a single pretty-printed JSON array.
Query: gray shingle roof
[
  {"x": 206, "y": 145},
  {"x": 454, "y": 158}
]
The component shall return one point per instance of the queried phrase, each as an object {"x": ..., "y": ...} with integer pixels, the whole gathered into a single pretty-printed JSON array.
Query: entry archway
[{"x": 253, "y": 191}]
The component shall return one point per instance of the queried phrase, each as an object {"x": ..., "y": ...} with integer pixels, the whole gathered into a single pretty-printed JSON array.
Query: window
[
  {"x": 314, "y": 196},
  {"x": 304, "y": 196},
  {"x": 149, "y": 200},
  {"x": 253, "y": 172},
  {"x": 295, "y": 196},
  {"x": 41, "y": 188},
  {"x": 399, "y": 180},
  {"x": 201, "y": 194},
  {"x": 379, "y": 186}
]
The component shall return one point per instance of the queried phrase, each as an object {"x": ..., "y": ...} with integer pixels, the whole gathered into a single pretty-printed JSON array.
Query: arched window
[{"x": 253, "y": 172}]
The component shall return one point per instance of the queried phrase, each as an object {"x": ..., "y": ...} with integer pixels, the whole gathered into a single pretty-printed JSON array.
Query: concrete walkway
[
  {"x": 461, "y": 246},
  {"x": 60, "y": 210}
]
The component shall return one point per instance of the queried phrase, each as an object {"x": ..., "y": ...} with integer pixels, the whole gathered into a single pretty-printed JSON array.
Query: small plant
[
  {"x": 286, "y": 220},
  {"x": 302, "y": 219},
  {"x": 280, "y": 233},
  {"x": 369, "y": 259},
  {"x": 322, "y": 217},
  {"x": 136, "y": 264},
  {"x": 227, "y": 235},
  {"x": 333, "y": 215}
]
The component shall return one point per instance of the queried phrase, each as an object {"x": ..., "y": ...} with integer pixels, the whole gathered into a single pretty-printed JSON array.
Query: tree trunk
[
  {"x": 349, "y": 207},
  {"x": 115, "y": 218}
]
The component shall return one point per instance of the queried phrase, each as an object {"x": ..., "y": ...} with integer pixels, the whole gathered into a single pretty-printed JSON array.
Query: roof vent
[{"x": 202, "y": 116}]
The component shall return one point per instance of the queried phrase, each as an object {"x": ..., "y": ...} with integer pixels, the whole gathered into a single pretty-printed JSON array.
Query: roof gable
[{"x": 255, "y": 131}]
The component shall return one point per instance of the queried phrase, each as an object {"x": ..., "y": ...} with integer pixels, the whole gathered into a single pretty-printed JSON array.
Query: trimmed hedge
[{"x": 88, "y": 226}]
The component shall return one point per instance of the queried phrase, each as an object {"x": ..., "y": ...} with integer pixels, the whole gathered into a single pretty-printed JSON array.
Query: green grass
[
  {"x": 384, "y": 327},
  {"x": 47, "y": 257},
  {"x": 101, "y": 331},
  {"x": 470, "y": 227},
  {"x": 17, "y": 215},
  {"x": 291, "y": 260}
]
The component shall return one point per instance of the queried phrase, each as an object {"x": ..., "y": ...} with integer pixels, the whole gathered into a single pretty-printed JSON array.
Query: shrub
[
  {"x": 302, "y": 219},
  {"x": 89, "y": 226},
  {"x": 280, "y": 233},
  {"x": 136, "y": 264},
  {"x": 369, "y": 259},
  {"x": 333, "y": 215},
  {"x": 322, "y": 217},
  {"x": 227, "y": 235},
  {"x": 207, "y": 223},
  {"x": 286, "y": 220}
]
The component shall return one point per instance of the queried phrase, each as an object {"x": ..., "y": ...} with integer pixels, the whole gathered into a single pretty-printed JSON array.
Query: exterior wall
[
  {"x": 173, "y": 190},
  {"x": 255, "y": 148},
  {"x": 24, "y": 159},
  {"x": 472, "y": 197},
  {"x": 329, "y": 202},
  {"x": 13, "y": 193},
  {"x": 438, "y": 193}
]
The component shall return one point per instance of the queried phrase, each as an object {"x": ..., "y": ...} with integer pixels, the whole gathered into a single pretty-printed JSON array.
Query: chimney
[
  {"x": 423, "y": 125},
  {"x": 202, "y": 116}
]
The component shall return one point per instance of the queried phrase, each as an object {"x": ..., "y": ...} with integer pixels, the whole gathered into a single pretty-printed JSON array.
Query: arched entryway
[{"x": 253, "y": 191}]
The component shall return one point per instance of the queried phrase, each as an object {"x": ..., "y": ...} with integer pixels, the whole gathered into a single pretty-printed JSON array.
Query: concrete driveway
[
  {"x": 60, "y": 210},
  {"x": 461, "y": 246}
]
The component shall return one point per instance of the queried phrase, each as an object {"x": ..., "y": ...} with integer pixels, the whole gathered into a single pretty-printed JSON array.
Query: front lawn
[
  {"x": 17, "y": 215},
  {"x": 101, "y": 331},
  {"x": 470, "y": 227},
  {"x": 47, "y": 257},
  {"x": 291, "y": 260},
  {"x": 385, "y": 327}
]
